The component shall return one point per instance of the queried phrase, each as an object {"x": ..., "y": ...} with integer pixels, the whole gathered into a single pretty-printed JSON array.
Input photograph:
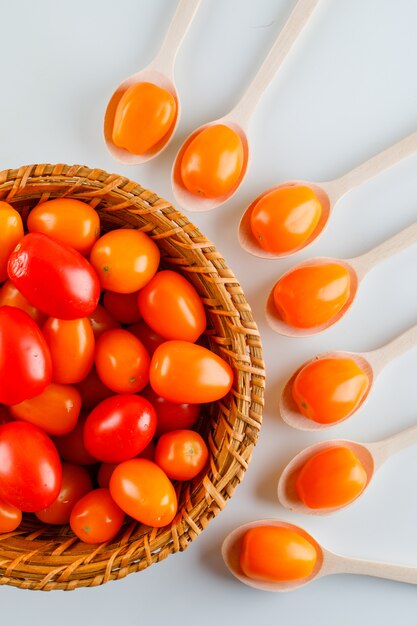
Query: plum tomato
[
  {"x": 182, "y": 454},
  {"x": 101, "y": 320},
  {"x": 119, "y": 428},
  {"x": 11, "y": 232},
  {"x": 54, "y": 277},
  {"x": 170, "y": 415},
  {"x": 30, "y": 468},
  {"x": 76, "y": 482},
  {"x": 106, "y": 469},
  {"x": 123, "y": 306},
  {"x": 150, "y": 339},
  {"x": 11, "y": 296},
  {"x": 71, "y": 344},
  {"x": 122, "y": 362},
  {"x": 96, "y": 518},
  {"x": 71, "y": 446},
  {"x": 25, "y": 360},
  {"x": 10, "y": 517},
  {"x": 92, "y": 390}
]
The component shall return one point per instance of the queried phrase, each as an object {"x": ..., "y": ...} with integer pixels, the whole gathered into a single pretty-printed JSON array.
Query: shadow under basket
[{"x": 38, "y": 556}]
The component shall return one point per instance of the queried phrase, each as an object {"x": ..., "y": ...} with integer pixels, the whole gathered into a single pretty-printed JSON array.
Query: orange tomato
[
  {"x": 212, "y": 162},
  {"x": 71, "y": 446},
  {"x": 11, "y": 232},
  {"x": 123, "y": 306},
  {"x": 125, "y": 260},
  {"x": 331, "y": 478},
  {"x": 122, "y": 362},
  {"x": 150, "y": 339},
  {"x": 283, "y": 219},
  {"x": 143, "y": 491},
  {"x": 276, "y": 553},
  {"x": 55, "y": 410},
  {"x": 328, "y": 390},
  {"x": 10, "y": 517},
  {"x": 92, "y": 390},
  {"x": 71, "y": 343},
  {"x": 96, "y": 517},
  {"x": 101, "y": 320},
  {"x": 67, "y": 220},
  {"x": 11, "y": 296},
  {"x": 186, "y": 372},
  {"x": 171, "y": 306},
  {"x": 312, "y": 295},
  {"x": 106, "y": 469},
  {"x": 144, "y": 115},
  {"x": 182, "y": 454}
]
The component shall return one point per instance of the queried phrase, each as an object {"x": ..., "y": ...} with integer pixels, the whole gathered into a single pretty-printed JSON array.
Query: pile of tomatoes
[{"x": 102, "y": 377}]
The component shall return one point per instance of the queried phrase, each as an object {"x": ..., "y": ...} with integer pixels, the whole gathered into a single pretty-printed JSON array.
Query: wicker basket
[{"x": 37, "y": 556}]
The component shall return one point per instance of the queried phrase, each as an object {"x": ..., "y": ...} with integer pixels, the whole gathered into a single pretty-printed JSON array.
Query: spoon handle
[
  {"x": 380, "y": 357},
  {"x": 377, "y": 164},
  {"x": 180, "y": 23},
  {"x": 347, "y": 565},
  {"x": 276, "y": 56},
  {"x": 386, "y": 448}
]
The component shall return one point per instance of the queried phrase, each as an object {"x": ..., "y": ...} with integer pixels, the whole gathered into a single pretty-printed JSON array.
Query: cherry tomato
[
  {"x": 71, "y": 446},
  {"x": 276, "y": 553},
  {"x": 55, "y": 278},
  {"x": 172, "y": 307},
  {"x": 331, "y": 478},
  {"x": 125, "y": 260},
  {"x": 144, "y": 491},
  {"x": 69, "y": 221},
  {"x": 92, "y": 390},
  {"x": 30, "y": 469},
  {"x": 328, "y": 390},
  {"x": 10, "y": 517},
  {"x": 145, "y": 114},
  {"x": 71, "y": 343},
  {"x": 96, "y": 517},
  {"x": 106, "y": 469},
  {"x": 119, "y": 428},
  {"x": 185, "y": 372},
  {"x": 122, "y": 362},
  {"x": 212, "y": 162},
  {"x": 101, "y": 320},
  {"x": 11, "y": 296},
  {"x": 55, "y": 410},
  {"x": 11, "y": 232},
  {"x": 284, "y": 219},
  {"x": 312, "y": 295},
  {"x": 182, "y": 454},
  {"x": 25, "y": 361},
  {"x": 76, "y": 483},
  {"x": 5, "y": 416},
  {"x": 150, "y": 339},
  {"x": 123, "y": 306},
  {"x": 170, "y": 415}
]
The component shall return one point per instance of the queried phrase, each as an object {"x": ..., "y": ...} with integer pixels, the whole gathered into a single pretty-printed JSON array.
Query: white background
[{"x": 348, "y": 90}]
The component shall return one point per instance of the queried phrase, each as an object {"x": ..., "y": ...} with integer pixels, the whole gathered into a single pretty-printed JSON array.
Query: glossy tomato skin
[
  {"x": 96, "y": 517},
  {"x": 171, "y": 306},
  {"x": 119, "y": 428},
  {"x": 30, "y": 468},
  {"x": 67, "y": 220},
  {"x": 101, "y": 320},
  {"x": 182, "y": 454},
  {"x": 11, "y": 232},
  {"x": 106, "y": 469},
  {"x": 171, "y": 415},
  {"x": 123, "y": 306},
  {"x": 71, "y": 446},
  {"x": 122, "y": 362},
  {"x": 186, "y": 372},
  {"x": 76, "y": 483},
  {"x": 11, "y": 296},
  {"x": 54, "y": 277},
  {"x": 150, "y": 339},
  {"x": 71, "y": 344},
  {"x": 143, "y": 491},
  {"x": 10, "y": 517},
  {"x": 25, "y": 361}
]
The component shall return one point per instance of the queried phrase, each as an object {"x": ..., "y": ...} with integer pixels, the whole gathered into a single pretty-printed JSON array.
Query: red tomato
[
  {"x": 96, "y": 517},
  {"x": 76, "y": 482},
  {"x": 71, "y": 446},
  {"x": 150, "y": 339},
  {"x": 25, "y": 361},
  {"x": 144, "y": 491},
  {"x": 119, "y": 428},
  {"x": 11, "y": 232},
  {"x": 11, "y": 296},
  {"x": 55, "y": 410},
  {"x": 106, "y": 469},
  {"x": 182, "y": 454},
  {"x": 172, "y": 307},
  {"x": 169, "y": 415},
  {"x": 101, "y": 320},
  {"x": 71, "y": 343},
  {"x": 122, "y": 362},
  {"x": 123, "y": 306},
  {"x": 55, "y": 278},
  {"x": 185, "y": 372},
  {"x": 92, "y": 390},
  {"x": 10, "y": 517},
  {"x": 69, "y": 221},
  {"x": 30, "y": 469}
]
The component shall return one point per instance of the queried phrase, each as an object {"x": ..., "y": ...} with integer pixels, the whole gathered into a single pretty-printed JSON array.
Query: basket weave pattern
[{"x": 37, "y": 556}]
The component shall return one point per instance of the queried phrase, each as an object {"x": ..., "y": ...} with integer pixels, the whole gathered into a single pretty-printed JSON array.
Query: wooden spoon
[
  {"x": 238, "y": 118},
  {"x": 357, "y": 267},
  {"x": 371, "y": 455},
  {"x": 372, "y": 363},
  {"x": 329, "y": 194},
  {"x": 161, "y": 73},
  {"x": 327, "y": 562}
]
